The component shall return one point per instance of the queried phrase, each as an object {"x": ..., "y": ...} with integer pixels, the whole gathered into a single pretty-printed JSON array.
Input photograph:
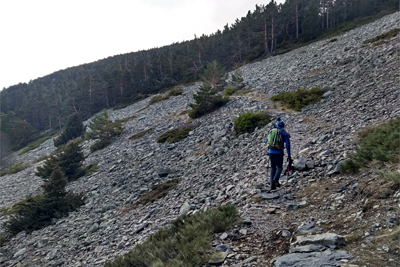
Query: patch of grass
[
  {"x": 141, "y": 133},
  {"x": 34, "y": 144},
  {"x": 300, "y": 98},
  {"x": 91, "y": 168},
  {"x": 387, "y": 35},
  {"x": 378, "y": 144},
  {"x": 247, "y": 122},
  {"x": 157, "y": 98},
  {"x": 243, "y": 92},
  {"x": 131, "y": 101},
  {"x": 229, "y": 91},
  {"x": 317, "y": 71},
  {"x": 172, "y": 92},
  {"x": 15, "y": 168},
  {"x": 158, "y": 191},
  {"x": 187, "y": 242},
  {"x": 174, "y": 135},
  {"x": 175, "y": 92}
]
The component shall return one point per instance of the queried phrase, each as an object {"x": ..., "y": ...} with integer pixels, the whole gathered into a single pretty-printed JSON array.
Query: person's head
[{"x": 279, "y": 123}]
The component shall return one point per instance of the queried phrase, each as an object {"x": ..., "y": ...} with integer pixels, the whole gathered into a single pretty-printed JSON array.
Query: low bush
[
  {"x": 386, "y": 35},
  {"x": 229, "y": 91},
  {"x": 175, "y": 92},
  {"x": 140, "y": 134},
  {"x": 158, "y": 191},
  {"x": 157, "y": 98},
  {"x": 249, "y": 121},
  {"x": 91, "y": 168},
  {"x": 186, "y": 242},
  {"x": 379, "y": 144},
  {"x": 300, "y": 98},
  {"x": 174, "y": 135},
  {"x": 15, "y": 168}
]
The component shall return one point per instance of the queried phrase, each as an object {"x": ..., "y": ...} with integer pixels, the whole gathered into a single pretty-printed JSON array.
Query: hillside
[{"x": 362, "y": 84}]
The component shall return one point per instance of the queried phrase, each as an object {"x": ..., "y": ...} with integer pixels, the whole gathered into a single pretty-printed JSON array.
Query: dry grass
[
  {"x": 361, "y": 208},
  {"x": 202, "y": 149},
  {"x": 308, "y": 120}
]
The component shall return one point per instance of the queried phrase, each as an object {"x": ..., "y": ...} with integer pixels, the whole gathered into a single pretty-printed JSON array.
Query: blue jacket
[{"x": 286, "y": 138}]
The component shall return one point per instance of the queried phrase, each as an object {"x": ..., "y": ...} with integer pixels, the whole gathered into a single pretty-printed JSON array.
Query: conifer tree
[
  {"x": 207, "y": 99},
  {"x": 73, "y": 129},
  {"x": 102, "y": 129},
  {"x": 214, "y": 75},
  {"x": 55, "y": 186},
  {"x": 69, "y": 160}
]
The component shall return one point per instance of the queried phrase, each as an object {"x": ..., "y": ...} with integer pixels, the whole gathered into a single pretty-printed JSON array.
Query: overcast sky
[{"x": 39, "y": 37}]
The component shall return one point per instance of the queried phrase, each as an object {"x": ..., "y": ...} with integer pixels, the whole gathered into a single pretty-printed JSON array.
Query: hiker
[{"x": 276, "y": 139}]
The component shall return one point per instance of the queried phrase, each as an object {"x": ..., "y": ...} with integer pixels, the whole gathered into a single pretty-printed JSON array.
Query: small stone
[{"x": 224, "y": 236}]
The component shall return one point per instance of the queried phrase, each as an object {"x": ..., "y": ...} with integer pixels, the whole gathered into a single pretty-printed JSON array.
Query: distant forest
[{"x": 45, "y": 103}]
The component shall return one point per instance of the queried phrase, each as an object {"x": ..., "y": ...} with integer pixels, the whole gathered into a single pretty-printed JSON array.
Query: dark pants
[{"x": 276, "y": 168}]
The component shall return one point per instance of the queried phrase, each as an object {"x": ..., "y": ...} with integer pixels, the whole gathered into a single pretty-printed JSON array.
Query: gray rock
[
  {"x": 325, "y": 258},
  {"x": 327, "y": 239},
  {"x": 185, "y": 208}
]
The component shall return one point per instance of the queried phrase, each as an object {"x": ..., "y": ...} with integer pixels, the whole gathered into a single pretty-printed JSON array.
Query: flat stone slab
[
  {"x": 325, "y": 258},
  {"x": 268, "y": 196}
]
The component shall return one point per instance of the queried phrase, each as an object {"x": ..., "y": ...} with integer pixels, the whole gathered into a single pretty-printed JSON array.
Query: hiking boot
[
  {"x": 277, "y": 184},
  {"x": 273, "y": 186}
]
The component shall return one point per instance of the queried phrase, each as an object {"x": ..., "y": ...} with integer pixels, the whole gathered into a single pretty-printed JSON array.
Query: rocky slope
[{"x": 362, "y": 88}]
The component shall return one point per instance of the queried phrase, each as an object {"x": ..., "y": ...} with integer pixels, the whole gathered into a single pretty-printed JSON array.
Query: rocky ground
[{"x": 214, "y": 167}]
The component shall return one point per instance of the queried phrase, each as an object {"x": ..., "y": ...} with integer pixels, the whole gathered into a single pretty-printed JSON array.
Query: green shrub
[
  {"x": 386, "y": 35},
  {"x": 349, "y": 166},
  {"x": 174, "y": 135},
  {"x": 229, "y": 91},
  {"x": 378, "y": 143},
  {"x": 15, "y": 168},
  {"x": 91, "y": 168},
  {"x": 300, "y": 98},
  {"x": 140, "y": 134},
  {"x": 175, "y": 92},
  {"x": 249, "y": 121},
  {"x": 157, "y": 98},
  {"x": 185, "y": 243}
]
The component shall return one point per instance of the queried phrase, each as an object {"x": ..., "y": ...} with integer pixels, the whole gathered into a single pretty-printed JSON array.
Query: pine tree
[
  {"x": 207, "y": 99},
  {"x": 69, "y": 160},
  {"x": 102, "y": 129},
  {"x": 214, "y": 75},
  {"x": 73, "y": 129},
  {"x": 55, "y": 186}
]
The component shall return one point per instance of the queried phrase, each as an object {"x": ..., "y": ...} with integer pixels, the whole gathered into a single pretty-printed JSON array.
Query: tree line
[{"x": 47, "y": 102}]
